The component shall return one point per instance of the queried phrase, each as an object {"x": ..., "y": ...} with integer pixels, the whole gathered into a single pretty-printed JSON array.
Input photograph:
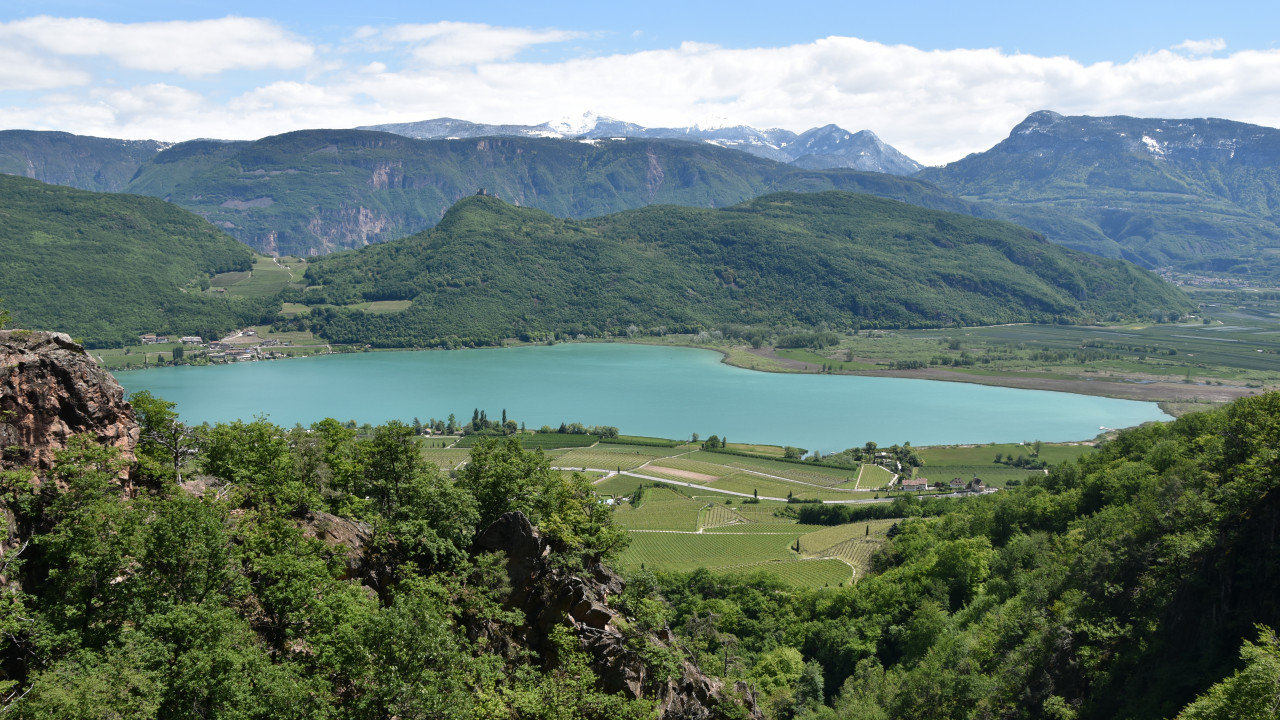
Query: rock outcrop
[
  {"x": 550, "y": 597},
  {"x": 51, "y": 390}
]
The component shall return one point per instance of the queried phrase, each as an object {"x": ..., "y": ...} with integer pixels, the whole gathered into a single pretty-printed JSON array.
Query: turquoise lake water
[{"x": 643, "y": 390}]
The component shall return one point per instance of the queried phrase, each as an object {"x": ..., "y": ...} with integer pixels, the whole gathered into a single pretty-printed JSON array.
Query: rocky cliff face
[
  {"x": 50, "y": 390},
  {"x": 549, "y": 597}
]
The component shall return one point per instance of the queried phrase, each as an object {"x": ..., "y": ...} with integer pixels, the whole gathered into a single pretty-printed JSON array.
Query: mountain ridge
[
  {"x": 819, "y": 147},
  {"x": 1195, "y": 194}
]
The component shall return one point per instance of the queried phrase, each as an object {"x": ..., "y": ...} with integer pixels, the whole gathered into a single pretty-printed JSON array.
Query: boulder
[{"x": 50, "y": 390}]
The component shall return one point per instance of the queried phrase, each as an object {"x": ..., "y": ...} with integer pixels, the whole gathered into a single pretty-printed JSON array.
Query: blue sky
[{"x": 936, "y": 79}]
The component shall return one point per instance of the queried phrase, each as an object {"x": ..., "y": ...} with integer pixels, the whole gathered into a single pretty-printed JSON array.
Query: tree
[
  {"x": 4, "y": 315},
  {"x": 502, "y": 477},
  {"x": 1252, "y": 693},
  {"x": 163, "y": 436},
  {"x": 1035, "y": 448}
]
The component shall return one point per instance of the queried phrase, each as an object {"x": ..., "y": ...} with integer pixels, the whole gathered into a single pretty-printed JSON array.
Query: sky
[{"x": 937, "y": 80}]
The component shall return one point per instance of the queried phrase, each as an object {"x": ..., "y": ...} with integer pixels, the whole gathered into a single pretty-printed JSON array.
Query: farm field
[
  {"x": 948, "y": 455},
  {"x": 626, "y": 457},
  {"x": 768, "y": 487},
  {"x": 854, "y": 543},
  {"x": 801, "y": 573},
  {"x": 873, "y": 476},
  {"x": 991, "y": 475},
  {"x": 814, "y": 474},
  {"x": 545, "y": 441},
  {"x": 684, "y": 552},
  {"x": 661, "y": 509},
  {"x": 266, "y": 279},
  {"x": 445, "y": 458},
  {"x": 674, "y": 531}
]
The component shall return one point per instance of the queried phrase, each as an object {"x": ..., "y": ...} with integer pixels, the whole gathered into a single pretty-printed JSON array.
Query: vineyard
[
  {"x": 545, "y": 441},
  {"x": 685, "y": 552},
  {"x": 818, "y": 572},
  {"x": 816, "y": 474},
  {"x": 608, "y": 457},
  {"x": 854, "y": 543},
  {"x": 661, "y": 509}
]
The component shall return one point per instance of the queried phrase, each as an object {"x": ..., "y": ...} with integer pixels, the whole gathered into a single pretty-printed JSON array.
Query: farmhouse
[
  {"x": 915, "y": 484},
  {"x": 153, "y": 339},
  {"x": 191, "y": 340}
]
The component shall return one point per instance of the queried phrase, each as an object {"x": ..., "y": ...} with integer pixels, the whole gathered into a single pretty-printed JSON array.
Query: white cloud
[
  {"x": 936, "y": 106},
  {"x": 21, "y": 70},
  {"x": 197, "y": 48},
  {"x": 460, "y": 43},
  {"x": 1202, "y": 47}
]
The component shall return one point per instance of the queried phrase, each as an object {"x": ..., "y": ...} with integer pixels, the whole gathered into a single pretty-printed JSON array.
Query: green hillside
[
  {"x": 492, "y": 270},
  {"x": 107, "y": 267},
  {"x": 1198, "y": 194},
  {"x": 59, "y": 158},
  {"x": 314, "y": 191}
]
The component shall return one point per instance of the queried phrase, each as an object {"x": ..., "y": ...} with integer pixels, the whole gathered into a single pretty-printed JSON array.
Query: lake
[{"x": 643, "y": 390}]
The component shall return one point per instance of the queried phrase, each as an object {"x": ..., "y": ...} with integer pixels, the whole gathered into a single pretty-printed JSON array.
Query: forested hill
[
  {"x": 1124, "y": 585},
  {"x": 80, "y": 161},
  {"x": 1193, "y": 193},
  {"x": 107, "y": 267},
  {"x": 492, "y": 270},
  {"x": 315, "y": 191}
]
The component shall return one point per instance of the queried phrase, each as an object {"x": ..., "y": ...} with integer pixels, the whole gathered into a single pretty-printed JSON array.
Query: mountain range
[
  {"x": 315, "y": 191},
  {"x": 1194, "y": 195},
  {"x": 819, "y": 148}
]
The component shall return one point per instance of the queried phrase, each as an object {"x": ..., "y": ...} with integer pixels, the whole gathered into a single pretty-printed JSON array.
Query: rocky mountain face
[
  {"x": 548, "y": 597},
  {"x": 316, "y": 191},
  {"x": 51, "y": 390},
  {"x": 88, "y": 163},
  {"x": 817, "y": 149},
  {"x": 1192, "y": 193}
]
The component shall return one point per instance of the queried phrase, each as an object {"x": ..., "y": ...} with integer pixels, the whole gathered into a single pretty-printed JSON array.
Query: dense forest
[
  {"x": 1138, "y": 582},
  {"x": 107, "y": 268},
  {"x": 221, "y": 600},
  {"x": 837, "y": 260}
]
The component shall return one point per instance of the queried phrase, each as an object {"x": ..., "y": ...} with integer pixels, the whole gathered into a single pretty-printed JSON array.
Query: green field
[
  {"x": 265, "y": 280},
  {"x": 673, "y": 531},
  {"x": 948, "y": 455},
  {"x": 873, "y": 476},
  {"x": 546, "y": 441},
  {"x": 801, "y": 472},
  {"x": 767, "y": 487},
  {"x": 715, "y": 551},
  {"x": 802, "y": 573},
  {"x": 445, "y": 458},
  {"x": 661, "y": 509},
  {"x": 626, "y": 457}
]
